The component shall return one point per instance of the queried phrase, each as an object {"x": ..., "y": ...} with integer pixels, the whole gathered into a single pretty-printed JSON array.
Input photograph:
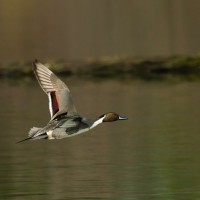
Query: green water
[{"x": 153, "y": 155}]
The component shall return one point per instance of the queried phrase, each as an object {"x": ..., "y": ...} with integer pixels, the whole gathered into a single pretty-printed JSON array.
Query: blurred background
[
  {"x": 139, "y": 58},
  {"x": 77, "y": 29}
]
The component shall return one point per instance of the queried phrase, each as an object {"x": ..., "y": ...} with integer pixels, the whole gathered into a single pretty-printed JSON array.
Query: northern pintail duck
[{"x": 65, "y": 121}]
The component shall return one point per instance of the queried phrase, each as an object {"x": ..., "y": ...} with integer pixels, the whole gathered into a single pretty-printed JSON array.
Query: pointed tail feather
[
  {"x": 33, "y": 134},
  {"x": 28, "y": 138}
]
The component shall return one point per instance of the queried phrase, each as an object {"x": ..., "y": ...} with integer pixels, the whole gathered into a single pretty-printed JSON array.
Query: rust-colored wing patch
[{"x": 54, "y": 103}]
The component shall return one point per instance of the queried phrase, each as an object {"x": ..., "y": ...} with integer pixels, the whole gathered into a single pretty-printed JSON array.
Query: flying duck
[{"x": 65, "y": 121}]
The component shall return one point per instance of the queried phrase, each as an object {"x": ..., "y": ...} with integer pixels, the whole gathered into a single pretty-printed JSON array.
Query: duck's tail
[
  {"x": 28, "y": 138},
  {"x": 34, "y": 134}
]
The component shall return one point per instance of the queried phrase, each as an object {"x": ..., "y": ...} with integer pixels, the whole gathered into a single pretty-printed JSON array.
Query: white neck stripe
[{"x": 99, "y": 121}]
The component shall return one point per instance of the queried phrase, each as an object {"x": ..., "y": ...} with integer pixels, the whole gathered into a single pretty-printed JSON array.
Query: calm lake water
[{"x": 153, "y": 155}]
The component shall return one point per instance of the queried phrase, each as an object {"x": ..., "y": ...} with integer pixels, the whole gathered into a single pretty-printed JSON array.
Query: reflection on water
[{"x": 153, "y": 155}]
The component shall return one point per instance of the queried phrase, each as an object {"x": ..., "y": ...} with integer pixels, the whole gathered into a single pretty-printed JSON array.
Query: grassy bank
[{"x": 114, "y": 67}]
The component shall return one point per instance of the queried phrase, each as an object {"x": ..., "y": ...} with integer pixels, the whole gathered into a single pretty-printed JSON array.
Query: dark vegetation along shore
[{"x": 187, "y": 68}]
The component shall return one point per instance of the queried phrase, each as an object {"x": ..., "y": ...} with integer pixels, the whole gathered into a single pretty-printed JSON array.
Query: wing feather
[{"x": 60, "y": 100}]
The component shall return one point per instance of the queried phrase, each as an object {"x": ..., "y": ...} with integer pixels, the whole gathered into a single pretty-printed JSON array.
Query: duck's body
[
  {"x": 64, "y": 126},
  {"x": 65, "y": 121}
]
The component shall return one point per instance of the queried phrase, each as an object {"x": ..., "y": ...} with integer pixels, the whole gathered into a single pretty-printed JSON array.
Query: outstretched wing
[{"x": 60, "y": 100}]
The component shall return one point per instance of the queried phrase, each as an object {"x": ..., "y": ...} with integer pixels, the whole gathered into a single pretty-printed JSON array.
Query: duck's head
[
  {"x": 111, "y": 117},
  {"x": 108, "y": 117}
]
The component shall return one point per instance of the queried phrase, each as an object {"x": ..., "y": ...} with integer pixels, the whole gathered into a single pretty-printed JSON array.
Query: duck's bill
[{"x": 122, "y": 118}]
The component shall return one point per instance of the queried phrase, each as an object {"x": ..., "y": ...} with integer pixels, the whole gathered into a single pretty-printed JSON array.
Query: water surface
[{"x": 153, "y": 155}]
